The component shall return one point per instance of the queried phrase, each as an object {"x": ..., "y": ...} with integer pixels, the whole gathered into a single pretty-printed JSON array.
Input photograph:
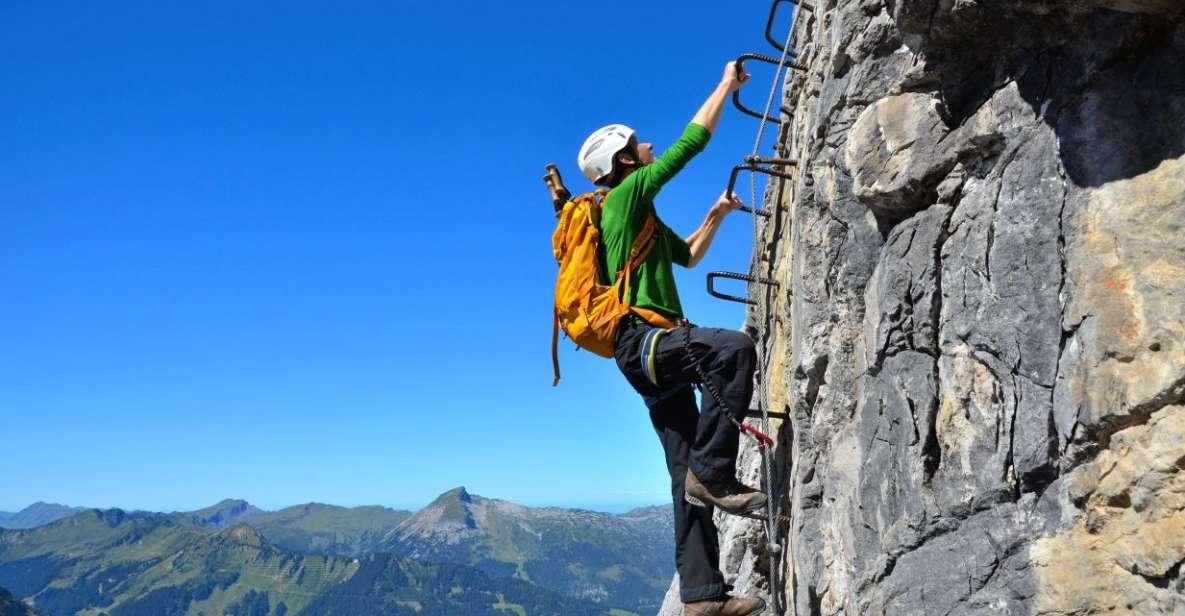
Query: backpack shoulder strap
[
  {"x": 638, "y": 253},
  {"x": 643, "y": 244}
]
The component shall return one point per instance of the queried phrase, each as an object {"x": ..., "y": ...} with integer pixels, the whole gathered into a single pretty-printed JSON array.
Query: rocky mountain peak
[
  {"x": 450, "y": 513},
  {"x": 458, "y": 493},
  {"x": 226, "y": 512},
  {"x": 241, "y": 533},
  {"x": 222, "y": 514}
]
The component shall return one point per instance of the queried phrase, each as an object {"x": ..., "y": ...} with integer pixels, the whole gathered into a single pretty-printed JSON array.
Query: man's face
[{"x": 645, "y": 153}]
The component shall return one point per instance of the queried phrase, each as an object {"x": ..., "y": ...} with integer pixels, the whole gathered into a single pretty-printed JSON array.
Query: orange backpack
[{"x": 585, "y": 307}]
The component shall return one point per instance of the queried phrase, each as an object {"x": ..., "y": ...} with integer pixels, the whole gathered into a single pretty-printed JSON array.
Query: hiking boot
[
  {"x": 734, "y": 606},
  {"x": 729, "y": 496}
]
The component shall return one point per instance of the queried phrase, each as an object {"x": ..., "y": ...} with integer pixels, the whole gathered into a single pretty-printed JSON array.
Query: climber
[{"x": 662, "y": 365}]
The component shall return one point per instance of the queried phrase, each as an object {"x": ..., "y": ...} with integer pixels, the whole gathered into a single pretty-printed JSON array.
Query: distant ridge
[
  {"x": 316, "y": 528},
  {"x": 219, "y": 515},
  {"x": 37, "y": 514},
  {"x": 145, "y": 564},
  {"x": 623, "y": 560}
]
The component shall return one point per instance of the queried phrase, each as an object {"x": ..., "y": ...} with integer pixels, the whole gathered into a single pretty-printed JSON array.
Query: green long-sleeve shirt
[{"x": 624, "y": 213}]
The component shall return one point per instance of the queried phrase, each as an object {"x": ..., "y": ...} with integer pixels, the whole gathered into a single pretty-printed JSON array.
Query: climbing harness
[
  {"x": 712, "y": 276},
  {"x": 650, "y": 352}
]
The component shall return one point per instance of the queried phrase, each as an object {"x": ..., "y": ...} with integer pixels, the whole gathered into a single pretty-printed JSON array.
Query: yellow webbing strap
[{"x": 650, "y": 350}]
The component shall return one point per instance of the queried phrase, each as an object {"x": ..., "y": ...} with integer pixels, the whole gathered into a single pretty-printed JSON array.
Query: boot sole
[
  {"x": 753, "y": 512},
  {"x": 757, "y": 609}
]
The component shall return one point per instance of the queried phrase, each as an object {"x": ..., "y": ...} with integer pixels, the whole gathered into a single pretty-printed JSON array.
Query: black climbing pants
[{"x": 706, "y": 441}]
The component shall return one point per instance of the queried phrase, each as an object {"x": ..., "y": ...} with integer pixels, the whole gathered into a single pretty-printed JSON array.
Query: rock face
[{"x": 979, "y": 327}]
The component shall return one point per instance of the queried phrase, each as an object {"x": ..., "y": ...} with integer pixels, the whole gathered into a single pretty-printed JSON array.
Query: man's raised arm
[
  {"x": 652, "y": 177},
  {"x": 708, "y": 115},
  {"x": 699, "y": 241}
]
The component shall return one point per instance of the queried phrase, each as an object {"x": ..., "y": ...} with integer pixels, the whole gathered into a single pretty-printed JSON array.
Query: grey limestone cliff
[{"x": 978, "y": 330}]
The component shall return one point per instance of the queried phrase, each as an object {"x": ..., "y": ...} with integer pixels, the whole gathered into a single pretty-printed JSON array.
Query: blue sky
[{"x": 300, "y": 251}]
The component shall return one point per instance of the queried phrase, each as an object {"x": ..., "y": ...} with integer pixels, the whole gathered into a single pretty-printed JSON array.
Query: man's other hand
[
  {"x": 726, "y": 204},
  {"x": 733, "y": 77}
]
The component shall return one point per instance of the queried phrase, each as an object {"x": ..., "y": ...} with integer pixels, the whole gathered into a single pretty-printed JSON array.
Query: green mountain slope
[
  {"x": 624, "y": 560},
  {"x": 111, "y": 563},
  {"x": 388, "y": 585},
  {"x": 327, "y": 529},
  {"x": 313, "y": 528},
  {"x": 86, "y": 559}
]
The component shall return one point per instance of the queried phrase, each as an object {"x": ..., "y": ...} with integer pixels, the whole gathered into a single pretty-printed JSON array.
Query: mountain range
[
  {"x": 312, "y": 528},
  {"x": 37, "y": 514},
  {"x": 462, "y": 554},
  {"x": 582, "y": 554}
]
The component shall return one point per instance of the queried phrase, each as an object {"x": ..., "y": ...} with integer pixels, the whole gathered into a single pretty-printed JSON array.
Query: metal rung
[
  {"x": 772, "y": 415},
  {"x": 770, "y": 160},
  {"x": 736, "y": 96},
  {"x": 760, "y": 164},
  {"x": 712, "y": 276},
  {"x": 773, "y": 14}
]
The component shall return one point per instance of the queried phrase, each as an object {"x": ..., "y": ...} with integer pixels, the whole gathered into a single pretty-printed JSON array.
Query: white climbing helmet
[{"x": 596, "y": 155}]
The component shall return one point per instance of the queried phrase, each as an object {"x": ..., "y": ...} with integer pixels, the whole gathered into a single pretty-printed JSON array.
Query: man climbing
[{"x": 700, "y": 445}]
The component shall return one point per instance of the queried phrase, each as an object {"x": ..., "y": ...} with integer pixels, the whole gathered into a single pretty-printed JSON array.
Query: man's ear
[{"x": 625, "y": 158}]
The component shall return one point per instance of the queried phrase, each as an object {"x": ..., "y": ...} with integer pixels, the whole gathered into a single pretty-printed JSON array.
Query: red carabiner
[{"x": 763, "y": 438}]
